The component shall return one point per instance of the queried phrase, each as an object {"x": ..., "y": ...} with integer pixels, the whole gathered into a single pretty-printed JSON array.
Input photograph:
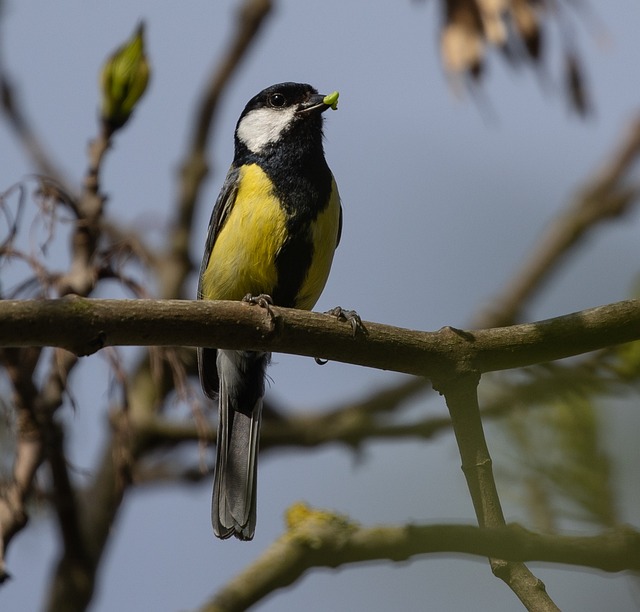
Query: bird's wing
[
  {"x": 220, "y": 214},
  {"x": 336, "y": 194},
  {"x": 224, "y": 204},
  {"x": 339, "y": 228}
]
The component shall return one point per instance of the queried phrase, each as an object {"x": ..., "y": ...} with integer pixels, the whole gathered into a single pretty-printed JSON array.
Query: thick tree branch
[
  {"x": 323, "y": 539},
  {"x": 83, "y": 326},
  {"x": 453, "y": 354}
]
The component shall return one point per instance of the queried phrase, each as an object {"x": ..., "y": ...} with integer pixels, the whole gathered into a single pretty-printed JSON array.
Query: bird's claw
[
  {"x": 263, "y": 300},
  {"x": 348, "y": 316}
]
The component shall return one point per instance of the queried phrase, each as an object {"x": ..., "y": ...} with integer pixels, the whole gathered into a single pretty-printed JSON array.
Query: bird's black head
[{"x": 288, "y": 114}]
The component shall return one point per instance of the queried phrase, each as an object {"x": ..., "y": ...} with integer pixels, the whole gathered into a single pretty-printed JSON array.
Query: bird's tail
[{"x": 241, "y": 388}]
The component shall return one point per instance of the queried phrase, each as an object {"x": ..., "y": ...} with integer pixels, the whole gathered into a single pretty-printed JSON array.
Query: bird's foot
[
  {"x": 346, "y": 316},
  {"x": 263, "y": 300}
]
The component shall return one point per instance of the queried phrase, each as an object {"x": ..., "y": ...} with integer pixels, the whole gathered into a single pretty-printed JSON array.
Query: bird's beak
[{"x": 320, "y": 103}]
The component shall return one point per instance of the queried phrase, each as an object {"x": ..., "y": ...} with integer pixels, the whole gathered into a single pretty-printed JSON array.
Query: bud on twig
[{"x": 123, "y": 81}]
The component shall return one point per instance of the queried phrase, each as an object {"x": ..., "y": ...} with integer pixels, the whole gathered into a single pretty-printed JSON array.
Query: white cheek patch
[{"x": 263, "y": 126}]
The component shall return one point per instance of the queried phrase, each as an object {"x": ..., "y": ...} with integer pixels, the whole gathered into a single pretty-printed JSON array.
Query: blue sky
[{"x": 443, "y": 198}]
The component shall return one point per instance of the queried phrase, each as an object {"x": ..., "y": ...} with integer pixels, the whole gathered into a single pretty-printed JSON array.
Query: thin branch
[
  {"x": 145, "y": 393},
  {"x": 356, "y": 424},
  {"x": 80, "y": 279},
  {"x": 64, "y": 499},
  {"x": 20, "y": 365},
  {"x": 595, "y": 202},
  {"x": 83, "y": 273},
  {"x": 251, "y": 16},
  {"x": 461, "y": 396},
  {"x": 603, "y": 198},
  {"x": 26, "y": 135},
  {"x": 182, "y": 323},
  {"x": 323, "y": 539},
  {"x": 462, "y": 400},
  {"x": 351, "y": 425},
  {"x": 172, "y": 281}
]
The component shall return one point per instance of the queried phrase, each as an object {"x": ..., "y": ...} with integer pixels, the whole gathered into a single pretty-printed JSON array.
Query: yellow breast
[
  {"x": 243, "y": 259},
  {"x": 243, "y": 256}
]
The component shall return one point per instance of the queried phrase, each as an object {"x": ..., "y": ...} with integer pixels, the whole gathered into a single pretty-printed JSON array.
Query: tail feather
[
  {"x": 241, "y": 375},
  {"x": 208, "y": 371}
]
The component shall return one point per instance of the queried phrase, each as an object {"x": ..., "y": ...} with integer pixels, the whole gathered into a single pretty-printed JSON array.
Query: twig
[
  {"x": 323, "y": 539},
  {"x": 603, "y": 198},
  {"x": 83, "y": 273},
  {"x": 460, "y": 392},
  {"x": 19, "y": 365},
  {"x": 195, "y": 167},
  {"x": 35, "y": 406},
  {"x": 351, "y": 425},
  {"x": 64, "y": 501},
  {"x": 27, "y": 136},
  {"x": 145, "y": 395}
]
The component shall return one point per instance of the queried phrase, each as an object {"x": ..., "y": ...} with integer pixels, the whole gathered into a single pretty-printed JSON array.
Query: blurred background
[{"x": 444, "y": 195}]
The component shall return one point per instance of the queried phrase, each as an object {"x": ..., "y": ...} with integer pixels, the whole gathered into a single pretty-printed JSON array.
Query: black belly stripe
[
  {"x": 303, "y": 184},
  {"x": 303, "y": 197},
  {"x": 293, "y": 262}
]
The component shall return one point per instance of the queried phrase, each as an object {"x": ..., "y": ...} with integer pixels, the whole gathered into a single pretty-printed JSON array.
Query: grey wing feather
[{"x": 221, "y": 210}]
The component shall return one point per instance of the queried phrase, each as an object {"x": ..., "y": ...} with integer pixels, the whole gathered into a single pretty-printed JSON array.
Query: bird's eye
[{"x": 277, "y": 100}]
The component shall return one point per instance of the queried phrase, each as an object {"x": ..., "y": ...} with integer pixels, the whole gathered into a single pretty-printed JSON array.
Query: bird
[{"x": 271, "y": 240}]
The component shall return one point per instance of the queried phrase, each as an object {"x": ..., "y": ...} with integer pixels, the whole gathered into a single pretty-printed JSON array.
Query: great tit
[{"x": 273, "y": 232}]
